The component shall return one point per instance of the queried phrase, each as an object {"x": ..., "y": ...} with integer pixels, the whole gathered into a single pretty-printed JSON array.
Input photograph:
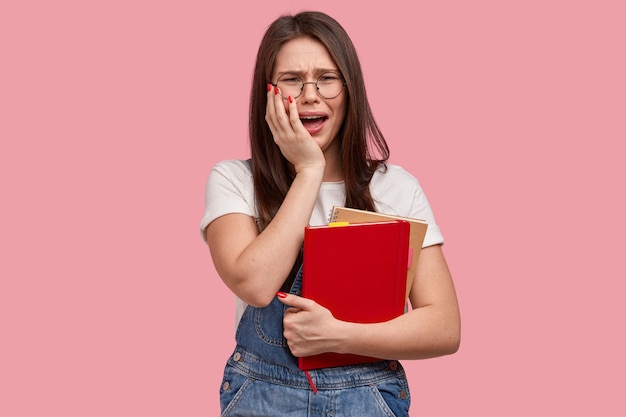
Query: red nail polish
[
  {"x": 269, "y": 87},
  {"x": 281, "y": 294},
  {"x": 290, "y": 99},
  {"x": 275, "y": 90}
]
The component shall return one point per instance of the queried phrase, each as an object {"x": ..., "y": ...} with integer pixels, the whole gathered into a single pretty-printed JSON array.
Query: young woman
[{"x": 315, "y": 145}]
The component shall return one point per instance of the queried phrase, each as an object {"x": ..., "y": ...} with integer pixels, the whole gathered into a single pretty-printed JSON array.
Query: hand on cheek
[{"x": 294, "y": 141}]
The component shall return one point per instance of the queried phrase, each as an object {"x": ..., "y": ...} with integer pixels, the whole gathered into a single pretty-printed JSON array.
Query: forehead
[{"x": 303, "y": 55}]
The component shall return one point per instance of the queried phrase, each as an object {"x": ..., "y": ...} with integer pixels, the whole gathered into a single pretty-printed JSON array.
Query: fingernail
[
  {"x": 275, "y": 90},
  {"x": 269, "y": 87},
  {"x": 290, "y": 99},
  {"x": 281, "y": 294}
]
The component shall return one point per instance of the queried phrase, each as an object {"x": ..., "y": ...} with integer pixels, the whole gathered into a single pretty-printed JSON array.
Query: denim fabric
[{"x": 262, "y": 377}]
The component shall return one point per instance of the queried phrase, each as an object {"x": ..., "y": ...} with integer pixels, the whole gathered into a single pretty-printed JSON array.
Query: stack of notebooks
[{"x": 360, "y": 266}]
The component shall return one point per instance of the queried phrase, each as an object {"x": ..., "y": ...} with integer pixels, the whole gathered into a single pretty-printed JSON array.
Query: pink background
[{"x": 511, "y": 114}]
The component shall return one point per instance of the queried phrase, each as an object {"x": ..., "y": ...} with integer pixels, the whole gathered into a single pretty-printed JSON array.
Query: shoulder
[
  {"x": 235, "y": 171},
  {"x": 237, "y": 167},
  {"x": 229, "y": 189},
  {"x": 394, "y": 176},
  {"x": 396, "y": 191},
  {"x": 231, "y": 176}
]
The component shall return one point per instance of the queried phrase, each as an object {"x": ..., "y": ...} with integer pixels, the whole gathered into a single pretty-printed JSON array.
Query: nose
[{"x": 309, "y": 94}]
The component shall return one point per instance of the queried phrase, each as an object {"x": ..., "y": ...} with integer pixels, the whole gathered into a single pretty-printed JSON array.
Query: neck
[{"x": 333, "y": 172}]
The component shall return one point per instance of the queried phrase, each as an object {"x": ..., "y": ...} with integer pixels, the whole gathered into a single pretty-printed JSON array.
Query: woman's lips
[{"x": 313, "y": 124}]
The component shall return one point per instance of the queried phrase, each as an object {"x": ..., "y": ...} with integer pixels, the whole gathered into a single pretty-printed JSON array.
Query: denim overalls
[{"x": 262, "y": 377}]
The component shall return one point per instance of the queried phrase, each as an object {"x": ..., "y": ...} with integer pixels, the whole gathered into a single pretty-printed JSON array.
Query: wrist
[
  {"x": 314, "y": 170},
  {"x": 345, "y": 337}
]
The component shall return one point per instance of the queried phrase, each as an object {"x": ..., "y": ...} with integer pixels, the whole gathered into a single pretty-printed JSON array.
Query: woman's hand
[
  {"x": 294, "y": 141},
  {"x": 309, "y": 328}
]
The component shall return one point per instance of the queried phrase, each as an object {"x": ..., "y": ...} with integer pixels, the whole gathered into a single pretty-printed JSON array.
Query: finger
[
  {"x": 293, "y": 300},
  {"x": 294, "y": 116},
  {"x": 275, "y": 113},
  {"x": 276, "y": 116},
  {"x": 292, "y": 310},
  {"x": 280, "y": 112}
]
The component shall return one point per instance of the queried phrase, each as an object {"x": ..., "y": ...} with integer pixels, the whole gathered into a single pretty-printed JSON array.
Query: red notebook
[{"x": 358, "y": 271}]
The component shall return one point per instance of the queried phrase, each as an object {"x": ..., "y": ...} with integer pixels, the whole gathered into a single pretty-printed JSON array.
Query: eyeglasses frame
[{"x": 317, "y": 89}]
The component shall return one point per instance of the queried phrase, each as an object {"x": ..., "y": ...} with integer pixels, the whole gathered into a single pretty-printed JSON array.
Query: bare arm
[
  {"x": 431, "y": 329},
  {"x": 254, "y": 265}
]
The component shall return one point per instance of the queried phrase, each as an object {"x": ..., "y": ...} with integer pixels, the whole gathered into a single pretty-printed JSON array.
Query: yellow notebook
[{"x": 416, "y": 234}]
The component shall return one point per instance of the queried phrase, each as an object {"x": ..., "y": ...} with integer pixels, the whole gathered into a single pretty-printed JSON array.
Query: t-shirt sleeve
[
  {"x": 422, "y": 210},
  {"x": 229, "y": 189}
]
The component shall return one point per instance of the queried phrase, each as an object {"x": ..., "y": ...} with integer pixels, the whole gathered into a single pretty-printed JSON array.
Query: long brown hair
[{"x": 362, "y": 146}]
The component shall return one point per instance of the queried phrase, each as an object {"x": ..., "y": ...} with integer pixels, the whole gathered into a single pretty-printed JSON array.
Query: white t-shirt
[{"x": 230, "y": 189}]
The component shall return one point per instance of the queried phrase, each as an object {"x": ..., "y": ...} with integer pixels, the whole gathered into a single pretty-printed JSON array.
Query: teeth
[{"x": 311, "y": 117}]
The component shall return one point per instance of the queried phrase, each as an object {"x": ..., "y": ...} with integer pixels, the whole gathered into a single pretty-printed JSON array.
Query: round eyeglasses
[{"x": 328, "y": 85}]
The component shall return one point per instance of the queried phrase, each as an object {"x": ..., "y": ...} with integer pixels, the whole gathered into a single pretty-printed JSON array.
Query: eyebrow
[{"x": 315, "y": 71}]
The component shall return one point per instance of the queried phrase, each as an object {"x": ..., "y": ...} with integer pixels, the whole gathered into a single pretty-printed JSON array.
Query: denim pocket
[
  {"x": 268, "y": 323},
  {"x": 233, "y": 387},
  {"x": 393, "y": 395}
]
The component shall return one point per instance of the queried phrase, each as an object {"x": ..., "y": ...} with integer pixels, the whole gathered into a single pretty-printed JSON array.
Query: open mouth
[{"x": 312, "y": 122}]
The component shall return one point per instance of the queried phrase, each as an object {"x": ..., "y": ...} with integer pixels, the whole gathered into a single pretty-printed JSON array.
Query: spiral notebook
[
  {"x": 416, "y": 236},
  {"x": 357, "y": 271}
]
